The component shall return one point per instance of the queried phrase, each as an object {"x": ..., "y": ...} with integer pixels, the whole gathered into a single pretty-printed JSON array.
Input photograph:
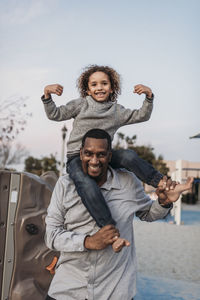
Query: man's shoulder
[
  {"x": 64, "y": 180},
  {"x": 124, "y": 172},
  {"x": 126, "y": 177}
]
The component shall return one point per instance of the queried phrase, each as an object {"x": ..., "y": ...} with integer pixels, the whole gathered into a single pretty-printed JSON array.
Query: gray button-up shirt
[{"x": 96, "y": 274}]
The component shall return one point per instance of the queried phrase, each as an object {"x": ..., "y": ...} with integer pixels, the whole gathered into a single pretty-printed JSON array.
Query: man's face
[{"x": 95, "y": 157}]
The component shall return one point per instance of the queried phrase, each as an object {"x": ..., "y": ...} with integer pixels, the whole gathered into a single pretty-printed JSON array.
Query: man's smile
[{"x": 94, "y": 167}]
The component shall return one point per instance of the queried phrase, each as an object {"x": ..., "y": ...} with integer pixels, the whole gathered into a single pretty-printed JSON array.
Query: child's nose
[{"x": 99, "y": 87}]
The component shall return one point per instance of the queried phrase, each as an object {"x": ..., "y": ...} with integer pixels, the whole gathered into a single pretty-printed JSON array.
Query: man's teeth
[{"x": 94, "y": 168}]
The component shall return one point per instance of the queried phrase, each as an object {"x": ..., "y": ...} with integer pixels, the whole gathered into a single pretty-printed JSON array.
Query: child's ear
[{"x": 88, "y": 92}]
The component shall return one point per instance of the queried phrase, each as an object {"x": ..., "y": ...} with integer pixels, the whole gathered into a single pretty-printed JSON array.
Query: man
[{"x": 88, "y": 268}]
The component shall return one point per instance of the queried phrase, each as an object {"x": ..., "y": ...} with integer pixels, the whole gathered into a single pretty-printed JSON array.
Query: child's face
[{"x": 99, "y": 86}]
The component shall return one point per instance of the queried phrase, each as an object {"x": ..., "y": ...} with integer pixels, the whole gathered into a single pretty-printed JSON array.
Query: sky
[{"x": 152, "y": 42}]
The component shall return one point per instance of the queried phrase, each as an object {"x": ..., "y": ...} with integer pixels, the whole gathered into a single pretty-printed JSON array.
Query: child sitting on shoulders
[{"x": 97, "y": 107}]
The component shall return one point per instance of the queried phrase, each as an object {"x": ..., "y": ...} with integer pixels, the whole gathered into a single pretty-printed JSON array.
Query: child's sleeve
[
  {"x": 63, "y": 112},
  {"x": 127, "y": 116}
]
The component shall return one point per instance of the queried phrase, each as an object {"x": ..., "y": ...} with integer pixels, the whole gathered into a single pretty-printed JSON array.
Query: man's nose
[{"x": 94, "y": 159}]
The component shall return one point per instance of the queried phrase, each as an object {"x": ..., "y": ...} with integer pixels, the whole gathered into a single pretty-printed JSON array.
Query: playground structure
[{"x": 25, "y": 262}]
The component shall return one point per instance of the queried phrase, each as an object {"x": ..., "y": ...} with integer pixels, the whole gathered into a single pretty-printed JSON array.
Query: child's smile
[{"x": 99, "y": 86}]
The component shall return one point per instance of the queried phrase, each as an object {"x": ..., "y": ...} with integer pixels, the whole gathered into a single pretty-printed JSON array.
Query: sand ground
[
  {"x": 168, "y": 250},
  {"x": 167, "y": 254}
]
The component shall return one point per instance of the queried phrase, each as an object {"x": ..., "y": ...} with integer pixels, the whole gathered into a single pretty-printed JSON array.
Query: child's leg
[
  {"x": 128, "y": 159},
  {"x": 90, "y": 193}
]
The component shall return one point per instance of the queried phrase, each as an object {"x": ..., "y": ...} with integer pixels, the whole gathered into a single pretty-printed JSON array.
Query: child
[{"x": 99, "y": 87}]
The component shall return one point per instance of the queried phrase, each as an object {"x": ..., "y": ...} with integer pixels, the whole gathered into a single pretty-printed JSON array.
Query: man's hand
[
  {"x": 142, "y": 89},
  {"x": 119, "y": 244},
  {"x": 102, "y": 238},
  {"x": 169, "y": 191},
  {"x": 53, "y": 89}
]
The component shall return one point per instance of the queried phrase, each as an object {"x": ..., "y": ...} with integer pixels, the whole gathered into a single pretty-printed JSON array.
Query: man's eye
[
  {"x": 87, "y": 153},
  {"x": 101, "y": 155}
]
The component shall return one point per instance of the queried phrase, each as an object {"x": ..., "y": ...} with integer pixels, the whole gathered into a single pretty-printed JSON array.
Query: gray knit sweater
[{"x": 88, "y": 113}]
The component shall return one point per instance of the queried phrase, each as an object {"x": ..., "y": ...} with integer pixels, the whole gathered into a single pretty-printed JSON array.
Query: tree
[
  {"x": 145, "y": 152},
  {"x": 12, "y": 122},
  {"x": 10, "y": 154},
  {"x": 39, "y": 166}
]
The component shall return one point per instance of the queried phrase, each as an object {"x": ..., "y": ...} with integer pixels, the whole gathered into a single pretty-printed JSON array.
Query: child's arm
[
  {"x": 63, "y": 112},
  {"x": 52, "y": 89},
  {"x": 128, "y": 116},
  {"x": 142, "y": 89}
]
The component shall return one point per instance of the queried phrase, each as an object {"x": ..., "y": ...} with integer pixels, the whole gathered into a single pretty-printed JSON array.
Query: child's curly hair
[{"x": 82, "y": 81}]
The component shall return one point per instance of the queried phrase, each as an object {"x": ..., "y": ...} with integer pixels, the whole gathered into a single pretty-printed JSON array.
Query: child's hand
[
  {"x": 53, "y": 89},
  {"x": 142, "y": 89},
  {"x": 119, "y": 244}
]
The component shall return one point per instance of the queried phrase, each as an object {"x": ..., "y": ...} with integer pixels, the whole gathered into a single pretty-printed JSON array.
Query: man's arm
[
  {"x": 102, "y": 238},
  {"x": 57, "y": 237},
  {"x": 60, "y": 239},
  {"x": 168, "y": 193}
]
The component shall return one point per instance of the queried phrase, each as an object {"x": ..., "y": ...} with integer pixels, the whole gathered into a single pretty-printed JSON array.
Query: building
[{"x": 179, "y": 170}]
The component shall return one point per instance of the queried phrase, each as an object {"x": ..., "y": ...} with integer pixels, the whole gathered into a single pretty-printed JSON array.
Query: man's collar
[{"x": 112, "y": 180}]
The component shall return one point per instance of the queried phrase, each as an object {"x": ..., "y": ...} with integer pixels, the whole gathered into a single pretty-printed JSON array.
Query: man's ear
[
  {"x": 110, "y": 156},
  {"x": 81, "y": 153}
]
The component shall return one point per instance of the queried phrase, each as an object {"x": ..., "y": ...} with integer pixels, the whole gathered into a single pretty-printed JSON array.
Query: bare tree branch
[
  {"x": 13, "y": 118},
  {"x": 11, "y": 153}
]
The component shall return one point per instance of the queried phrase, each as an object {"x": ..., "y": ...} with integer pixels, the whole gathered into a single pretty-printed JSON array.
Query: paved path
[{"x": 169, "y": 258}]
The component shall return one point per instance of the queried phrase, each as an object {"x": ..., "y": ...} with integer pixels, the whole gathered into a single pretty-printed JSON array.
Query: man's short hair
[{"x": 97, "y": 133}]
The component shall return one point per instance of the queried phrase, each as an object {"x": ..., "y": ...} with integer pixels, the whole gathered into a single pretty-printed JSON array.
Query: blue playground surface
[
  {"x": 154, "y": 288},
  {"x": 188, "y": 217}
]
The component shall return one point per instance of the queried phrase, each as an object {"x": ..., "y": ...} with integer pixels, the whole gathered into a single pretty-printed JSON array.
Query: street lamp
[{"x": 64, "y": 131}]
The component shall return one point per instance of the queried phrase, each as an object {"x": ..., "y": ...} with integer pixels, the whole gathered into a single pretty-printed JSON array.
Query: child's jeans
[{"x": 91, "y": 194}]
